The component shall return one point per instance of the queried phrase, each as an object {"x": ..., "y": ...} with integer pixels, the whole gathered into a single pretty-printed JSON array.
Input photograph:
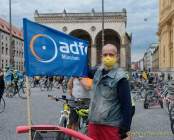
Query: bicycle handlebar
[
  {"x": 76, "y": 100},
  {"x": 76, "y": 107}
]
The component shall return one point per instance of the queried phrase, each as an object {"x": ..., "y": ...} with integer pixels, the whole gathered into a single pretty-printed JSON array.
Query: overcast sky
[{"x": 144, "y": 31}]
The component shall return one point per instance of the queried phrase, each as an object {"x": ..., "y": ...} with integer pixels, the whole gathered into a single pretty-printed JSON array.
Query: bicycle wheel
[
  {"x": 83, "y": 125},
  {"x": 22, "y": 93},
  {"x": 42, "y": 86},
  {"x": 146, "y": 102},
  {"x": 2, "y": 105},
  {"x": 10, "y": 92},
  {"x": 171, "y": 113},
  {"x": 161, "y": 103},
  {"x": 56, "y": 85},
  {"x": 172, "y": 126},
  {"x": 63, "y": 123}
]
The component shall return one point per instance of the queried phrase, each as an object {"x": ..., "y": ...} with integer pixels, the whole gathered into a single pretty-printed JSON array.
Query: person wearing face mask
[{"x": 110, "y": 107}]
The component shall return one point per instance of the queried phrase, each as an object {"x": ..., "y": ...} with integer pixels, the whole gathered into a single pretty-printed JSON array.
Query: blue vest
[{"x": 105, "y": 106}]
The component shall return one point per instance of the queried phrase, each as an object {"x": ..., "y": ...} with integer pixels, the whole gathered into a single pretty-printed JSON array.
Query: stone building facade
[
  {"x": 17, "y": 43},
  {"x": 88, "y": 26},
  {"x": 155, "y": 60},
  {"x": 148, "y": 57},
  {"x": 166, "y": 37}
]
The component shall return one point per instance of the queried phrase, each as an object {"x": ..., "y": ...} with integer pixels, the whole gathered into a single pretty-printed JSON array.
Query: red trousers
[{"x": 103, "y": 132}]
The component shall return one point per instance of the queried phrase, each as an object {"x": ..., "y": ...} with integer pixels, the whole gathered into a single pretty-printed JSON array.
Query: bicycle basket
[{"x": 48, "y": 135}]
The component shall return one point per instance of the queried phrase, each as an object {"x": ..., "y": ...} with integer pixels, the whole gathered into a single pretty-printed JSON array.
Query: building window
[
  {"x": 2, "y": 36},
  {"x": 14, "y": 52},
  {"x": 6, "y": 51},
  {"x": 2, "y": 63},
  {"x": 2, "y": 50},
  {"x": 16, "y": 65},
  {"x": 6, "y": 63}
]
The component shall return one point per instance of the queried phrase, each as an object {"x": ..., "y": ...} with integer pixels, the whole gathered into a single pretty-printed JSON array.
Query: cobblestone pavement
[{"x": 151, "y": 124}]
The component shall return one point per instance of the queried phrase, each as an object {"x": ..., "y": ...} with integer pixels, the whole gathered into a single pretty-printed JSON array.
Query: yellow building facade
[
  {"x": 166, "y": 35},
  {"x": 155, "y": 60}
]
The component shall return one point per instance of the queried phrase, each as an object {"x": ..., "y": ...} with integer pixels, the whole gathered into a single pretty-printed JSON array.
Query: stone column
[
  {"x": 123, "y": 56},
  {"x": 160, "y": 53},
  {"x": 167, "y": 52},
  {"x": 93, "y": 55},
  {"x": 172, "y": 27}
]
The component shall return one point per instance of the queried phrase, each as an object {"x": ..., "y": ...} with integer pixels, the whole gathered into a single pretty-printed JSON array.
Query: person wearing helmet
[{"x": 15, "y": 80}]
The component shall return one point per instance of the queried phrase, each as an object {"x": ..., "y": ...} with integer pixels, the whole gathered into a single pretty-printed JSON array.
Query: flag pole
[{"x": 28, "y": 107}]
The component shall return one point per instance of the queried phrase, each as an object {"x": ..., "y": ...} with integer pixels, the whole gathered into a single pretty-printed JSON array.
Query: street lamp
[
  {"x": 103, "y": 35},
  {"x": 10, "y": 40}
]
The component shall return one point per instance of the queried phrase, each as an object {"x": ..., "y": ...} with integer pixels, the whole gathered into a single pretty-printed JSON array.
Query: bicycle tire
[
  {"x": 172, "y": 126},
  {"x": 146, "y": 102},
  {"x": 22, "y": 93},
  {"x": 42, "y": 86},
  {"x": 82, "y": 125},
  {"x": 32, "y": 84},
  {"x": 2, "y": 105},
  {"x": 63, "y": 122},
  {"x": 56, "y": 85},
  {"x": 168, "y": 106},
  {"x": 161, "y": 103},
  {"x": 171, "y": 113},
  {"x": 9, "y": 92}
]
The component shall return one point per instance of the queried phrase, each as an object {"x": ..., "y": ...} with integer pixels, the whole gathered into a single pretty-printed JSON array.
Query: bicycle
[
  {"x": 16, "y": 88},
  {"x": 152, "y": 98},
  {"x": 78, "y": 105},
  {"x": 2, "y": 105},
  {"x": 64, "y": 85},
  {"x": 45, "y": 84},
  {"x": 49, "y": 85}
]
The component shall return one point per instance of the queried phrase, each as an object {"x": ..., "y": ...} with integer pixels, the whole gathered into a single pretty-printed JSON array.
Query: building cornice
[
  {"x": 16, "y": 37},
  {"x": 166, "y": 18},
  {"x": 110, "y": 17}
]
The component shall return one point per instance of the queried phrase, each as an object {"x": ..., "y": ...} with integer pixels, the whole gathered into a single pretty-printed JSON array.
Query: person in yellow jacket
[{"x": 144, "y": 75}]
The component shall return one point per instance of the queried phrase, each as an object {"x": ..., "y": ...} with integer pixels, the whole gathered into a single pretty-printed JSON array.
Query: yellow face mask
[{"x": 109, "y": 61}]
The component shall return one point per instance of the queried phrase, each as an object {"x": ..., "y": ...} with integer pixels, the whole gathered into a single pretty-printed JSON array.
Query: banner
[{"x": 49, "y": 52}]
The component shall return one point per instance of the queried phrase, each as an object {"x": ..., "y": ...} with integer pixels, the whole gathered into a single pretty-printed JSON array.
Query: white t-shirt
[{"x": 78, "y": 90}]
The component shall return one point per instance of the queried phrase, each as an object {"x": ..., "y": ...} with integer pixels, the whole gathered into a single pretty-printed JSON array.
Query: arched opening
[
  {"x": 82, "y": 34},
  {"x": 111, "y": 37}
]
